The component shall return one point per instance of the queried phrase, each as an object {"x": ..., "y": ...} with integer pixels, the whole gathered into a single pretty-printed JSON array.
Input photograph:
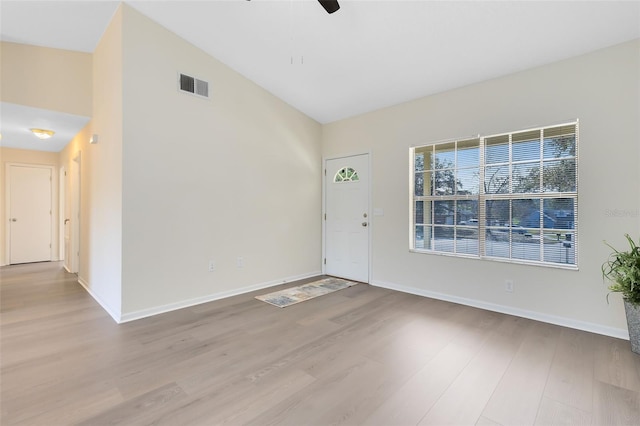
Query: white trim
[
  {"x": 75, "y": 188},
  {"x": 323, "y": 212},
  {"x": 569, "y": 267},
  {"x": 62, "y": 175},
  {"x": 7, "y": 196},
  {"x": 537, "y": 316},
  {"x": 7, "y": 216},
  {"x": 370, "y": 213},
  {"x": 131, "y": 316},
  {"x": 116, "y": 315},
  {"x": 412, "y": 193},
  {"x": 369, "y": 155}
]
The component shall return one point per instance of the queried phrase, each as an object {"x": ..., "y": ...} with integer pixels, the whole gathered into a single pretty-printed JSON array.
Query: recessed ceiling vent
[{"x": 194, "y": 86}]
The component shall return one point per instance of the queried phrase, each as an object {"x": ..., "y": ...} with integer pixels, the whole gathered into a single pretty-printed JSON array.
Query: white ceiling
[
  {"x": 16, "y": 120},
  {"x": 368, "y": 55}
]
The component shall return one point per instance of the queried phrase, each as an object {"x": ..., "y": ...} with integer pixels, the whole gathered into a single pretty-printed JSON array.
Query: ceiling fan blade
[{"x": 330, "y": 5}]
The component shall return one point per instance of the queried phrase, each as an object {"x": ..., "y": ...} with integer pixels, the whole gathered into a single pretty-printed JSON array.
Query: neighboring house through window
[{"x": 510, "y": 197}]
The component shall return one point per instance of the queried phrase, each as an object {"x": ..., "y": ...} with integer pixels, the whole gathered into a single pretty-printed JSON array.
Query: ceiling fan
[{"x": 330, "y": 5}]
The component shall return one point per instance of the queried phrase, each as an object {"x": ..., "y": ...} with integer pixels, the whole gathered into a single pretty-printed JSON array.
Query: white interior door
[
  {"x": 347, "y": 217},
  {"x": 29, "y": 214}
]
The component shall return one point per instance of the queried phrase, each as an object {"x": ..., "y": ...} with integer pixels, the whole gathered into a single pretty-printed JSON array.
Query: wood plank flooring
[{"x": 363, "y": 355}]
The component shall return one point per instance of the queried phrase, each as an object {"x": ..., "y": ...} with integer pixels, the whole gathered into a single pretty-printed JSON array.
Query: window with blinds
[{"x": 510, "y": 197}]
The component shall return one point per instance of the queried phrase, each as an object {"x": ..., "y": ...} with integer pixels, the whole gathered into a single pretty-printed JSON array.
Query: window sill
[{"x": 569, "y": 267}]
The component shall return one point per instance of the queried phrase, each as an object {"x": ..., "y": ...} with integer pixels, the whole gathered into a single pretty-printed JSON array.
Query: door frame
[
  {"x": 76, "y": 199},
  {"x": 369, "y": 208},
  {"x": 7, "y": 196},
  {"x": 62, "y": 177}
]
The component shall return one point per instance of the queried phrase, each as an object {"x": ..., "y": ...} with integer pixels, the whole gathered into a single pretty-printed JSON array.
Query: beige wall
[
  {"x": 54, "y": 79},
  {"x": 100, "y": 269},
  {"x": 12, "y": 155},
  {"x": 600, "y": 89},
  {"x": 104, "y": 163},
  {"x": 235, "y": 175}
]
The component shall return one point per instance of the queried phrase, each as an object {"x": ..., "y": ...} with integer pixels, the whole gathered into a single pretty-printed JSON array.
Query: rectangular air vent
[{"x": 194, "y": 86}]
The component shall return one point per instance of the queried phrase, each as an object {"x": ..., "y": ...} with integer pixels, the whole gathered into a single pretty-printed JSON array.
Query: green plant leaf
[{"x": 622, "y": 270}]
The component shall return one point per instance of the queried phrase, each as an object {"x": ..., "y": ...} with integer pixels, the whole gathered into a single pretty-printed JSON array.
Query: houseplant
[{"x": 622, "y": 269}]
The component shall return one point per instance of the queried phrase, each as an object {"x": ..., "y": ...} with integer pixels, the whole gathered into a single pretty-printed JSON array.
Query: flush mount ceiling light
[{"x": 42, "y": 133}]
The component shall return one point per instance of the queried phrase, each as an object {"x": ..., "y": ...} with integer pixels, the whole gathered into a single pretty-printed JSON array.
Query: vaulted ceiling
[{"x": 366, "y": 56}]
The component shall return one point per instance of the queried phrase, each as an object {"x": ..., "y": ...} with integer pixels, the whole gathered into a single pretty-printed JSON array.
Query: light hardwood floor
[{"x": 363, "y": 355}]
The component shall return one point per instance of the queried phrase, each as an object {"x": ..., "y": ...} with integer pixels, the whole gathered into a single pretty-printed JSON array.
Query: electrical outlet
[
  {"x": 212, "y": 266},
  {"x": 240, "y": 262},
  {"x": 508, "y": 286}
]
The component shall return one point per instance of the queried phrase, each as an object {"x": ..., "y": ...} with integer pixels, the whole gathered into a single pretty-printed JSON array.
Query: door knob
[
  {"x": 13, "y": 219},
  {"x": 364, "y": 223},
  {"x": 66, "y": 220}
]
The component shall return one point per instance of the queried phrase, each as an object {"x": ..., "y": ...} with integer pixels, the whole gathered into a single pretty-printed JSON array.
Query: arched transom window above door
[{"x": 346, "y": 174}]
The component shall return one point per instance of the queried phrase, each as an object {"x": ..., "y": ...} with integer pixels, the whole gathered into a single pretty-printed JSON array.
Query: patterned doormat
[{"x": 293, "y": 295}]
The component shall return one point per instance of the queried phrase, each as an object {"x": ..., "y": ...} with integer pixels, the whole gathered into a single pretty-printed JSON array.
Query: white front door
[
  {"x": 347, "y": 217},
  {"x": 29, "y": 214}
]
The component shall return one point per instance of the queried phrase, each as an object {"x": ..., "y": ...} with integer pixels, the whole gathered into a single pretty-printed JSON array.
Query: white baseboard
[
  {"x": 115, "y": 315},
  {"x": 538, "y": 316},
  {"x": 131, "y": 316}
]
